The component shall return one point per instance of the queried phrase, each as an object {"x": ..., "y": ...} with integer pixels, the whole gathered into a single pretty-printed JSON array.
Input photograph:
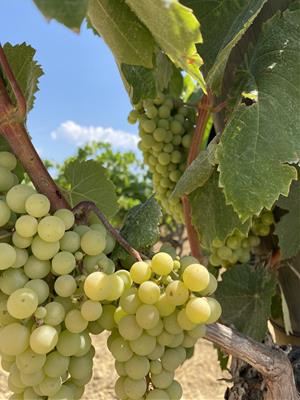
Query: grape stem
[
  {"x": 13, "y": 130},
  {"x": 272, "y": 363},
  {"x": 83, "y": 208},
  {"x": 204, "y": 110}
]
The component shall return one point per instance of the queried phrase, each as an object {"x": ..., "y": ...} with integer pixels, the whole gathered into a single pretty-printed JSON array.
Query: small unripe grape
[
  {"x": 176, "y": 157},
  {"x": 164, "y": 111},
  {"x": 148, "y": 125}
]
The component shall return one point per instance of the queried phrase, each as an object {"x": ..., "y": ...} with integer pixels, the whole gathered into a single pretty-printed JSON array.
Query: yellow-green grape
[
  {"x": 91, "y": 310},
  {"x": 198, "y": 310},
  {"x": 157, "y": 394},
  {"x": 37, "y": 205},
  {"x": 147, "y": 316},
  {"x": 55, "y": 313},
  {"x": 175, "y": 390},
  {"x": 125, "y": 276},
  {"x": 137, "y": 367},
  {"x": 51, "y": 229},
  {"x": 65, "y": 285},
  {"x": 183, "y": 321},
  {"x": 5, "y": 213},
  {"x": 177, "y": 293},
  {"x": 162, "y": 263},
  {"x": 40, "y": 288},
  {"x": 22, "y": 256},
  {"x": 32, "y": 379},
  {"x": 196, "y": 277},
  {"x": 129, "y": 328},
  {"x": 120, "y": 349},
  {"x": 8, "y": 256},
  {"x": 26, "y": 226},
  {"x": 224, "y": 253},
  {"x": 211, "y": 288},
  {"x": 140, "y": 271},
  {"x": 93, "y": 242},
  {"x": 8, "y": 160},
  {"x": 7, "y": 179},
  {"x": 17, "y": 196},
  {"x": 144, "y": 345},
  {"x": 11, "y": 280},
  {"x": 20, "y": 241},
  {"x": 22, "y": 303},
  {"x": 129, "y": 300},
  {"x": 50, "y": 386},
  {"x": 75, "y": 322},
  {"x": 164, "y": 306},
  {"x": 43, "y": 339},
  {"x": 14, "y": 339},
  {"x": 107, "y": 317},
  {"x": 215, "y": 310},
  {"x": 96, "y": 286},
  {"x": 116, "y": 287},
  {"x": 66, "y": 216},
  {"x": 157, "y": 330},
  {"x": 70, "y": 242},
  {"x": 163, "y": 379},
  {"x": 68, "y": 343},
  {"x": 63, "y": 263},
  {"x": 30, "y": 362},
  {"x": 35, "y": 268},
  {"x": 42, "y": 249},
  {"x": 149, "y": 292}
]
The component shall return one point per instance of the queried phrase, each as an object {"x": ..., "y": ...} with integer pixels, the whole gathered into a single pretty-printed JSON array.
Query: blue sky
[{"x": 81, "y": 95}]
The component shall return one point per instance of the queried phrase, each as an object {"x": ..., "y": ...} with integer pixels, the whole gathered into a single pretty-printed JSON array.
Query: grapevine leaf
[
  {"x": 141, "y": 227},
  {"x": 223, "y": 24},
  {"x": 68, "y": 12},
  {"x": 196, "y": 175},
  {"x": 261, "y": 139},
  {"x": 245, "y": 294},
  {"x": 288, "y": 228},
  {"x": 211, "y": 216},
  {"x": 141, "y": 82},
  {"x": 129, "y": 40},
  {"x": 164, "y": 71},
  {"x": 26, "y": 70},
  {"x": 87, "y": 181},
  {"x": 175, "y": 29}
]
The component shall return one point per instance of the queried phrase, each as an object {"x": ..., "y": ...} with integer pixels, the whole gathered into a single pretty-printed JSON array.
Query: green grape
[
  {"x": 70, "y": 242},
  {"x": 157, "y": 394},
  {"x": 159, "y": 99},
  {"x": 63, "y": 263},
  {"x": 85, "y": 345},
  {"x": 217, "y": 243},
  {"x": 176, "y": 127},
  {"x": 36, "y": 269},
  {"x": 135, "y": 388},
  {"x": 164, "y": 306},
  {"x": 93, "y": 242},
  {"x": 162, "y": 263},
  {"x": 233, "y": 242},
  {"x": 244, "y": 256},
  {"x": 224, "y": 252},
  {"x": 81, "y": 229},
  {"x": 91, "y": 310},
  {"x": 120, "y": 368},
  {"x": 172, "y": 359},
  {"x": 5, "y": 213},
  {"x": 22, "y": 303},
  {"x": 175, "y": 176},
  {"x": 51, "y": 229},
  {"x": 8, "y": 160},
  {"x": 129, "y": 301},
  {"x": 119, "y": 388},
  {"x": 264, "y": 230},
  {"x": 56, "y": 364},
  {"x": 107, "y": 317},
  {"x": 212, "y": 286},
  {"x": 6, "y": 365},
  {"x": 144, "y": 345},
  {"x": 149, "y": 292},
  {"x": 175, "y": 390},
  {"x": 157, "y": 329},
  {"x": 30, "y": 362},
  {"x": 163, "y": 379},
  {"x": 64, "y": 393},
  {"x": 267, "y": 218},
  {"x": 20, "y": 241},
  {"x": 171, "y": 325},
  {"x": 140, "y": 272},
  {"x": 43, "y": 339},
  {"x": 65, "y": 285},
  {"x": 176, "y": 140},
  {"x": 176, "y": 157},
  {"x": 32, "y": 379},
  {"x": 68, "y": 343},
  {"x": 183, "y": 321},
  {"x": 137, "y": 367},
  {"x": 159, "y": 134},
  {"x": 215, "y": 310},
  {"x": 177, "y": 340},
  {"x": 157, "y": 352},
  {"x": 110, "y": 244},
  {"x": 215, "y": 260},
  {"x": 198, "y": 310},
  {"x": 128, "y": 328},
  {"x": 168, "y": 102},
  {"x": 155, "y": 366},
  {"x": 80, "y": 367},
  {"x": 116, "y": 287},
  {"x": 26, "y": 226},
  {"x": 254, "y": 241},
  {"x": 177, "y": 293},
  {"x": 119, "y": 314},
  {"x": 188, "y": 341},
  {"x": 245, "y": 244},
  {"x": 196, "y": 277},
  {"x": 50, "y": 386},
  {"x": 197, "y": 332},
  {"x": 185, "y": 261},
  {"x": 11, "y": 280},
  {"x": 148, "y": 125},
  {"x": 17, "y": 196},
  {"x": 21, "y": 257},
  {"x": 96, "y": 286},
  {"x": 40, "y": 312},
  {"x": 44, "y": 250},
  {"x": 147, "y": 316},
  {"x": 40, "y": 288},
  {"x": 164, "y": 159},
  {"x": 164, "y": 111},
  {"x": 161, "y": 169},
  {"x": 75, "y": 322},
  {"x": 37, "y": 205},
  {"x": 66, "y": 216},
  {"x": 186, "y": 141},
  {"x": 125, "y": 276},
  {"x": 132, "y": 117},
  {"x": 8, "y": 256},
  {"x": 7, "y": 179},
  {"x": 78, "y": 256},
  {"x": 120, "y": 349}
]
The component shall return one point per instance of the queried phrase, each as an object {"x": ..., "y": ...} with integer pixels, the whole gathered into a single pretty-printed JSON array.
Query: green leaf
[
  {"x": 261, "y": 139},
  {"x": 129, "y": 40},
  {"x": 175, "y": 29},
  {"x": 288, "y": 228},
  {"x": 141, "y": 81},
  {"x": 223, "y": 23},
  {"x": 26, "y": 70},
  {"x": 196, "y": 175},
  {"x": 211, "y": 216},
  {"x": 68, "y": 12},
  {"x": 141, "y": 227},
  {"x": 86, "y": 180},
  {"x": 245, "y": 294}
]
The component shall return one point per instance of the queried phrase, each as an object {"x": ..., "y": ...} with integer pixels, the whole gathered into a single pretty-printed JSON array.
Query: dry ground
[{"x": 199, "y": 375}]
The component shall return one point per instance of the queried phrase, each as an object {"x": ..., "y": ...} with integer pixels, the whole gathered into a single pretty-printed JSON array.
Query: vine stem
[
  {"x": 13, "y": 130},
  {"x": 204, "y": 110},
  {"x": 85, "y": 207}
]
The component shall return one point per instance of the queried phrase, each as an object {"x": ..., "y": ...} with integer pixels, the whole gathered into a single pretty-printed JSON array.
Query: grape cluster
[
  {"x": 237, "y": 248},
  {"x": 165, "y": 128},
  {"x": 159, "y": 317},
  {"x": 58, "y": 286}
]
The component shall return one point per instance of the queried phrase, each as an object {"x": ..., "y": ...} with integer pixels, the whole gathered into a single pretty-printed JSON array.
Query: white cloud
[{"x": 79, "y": 135}]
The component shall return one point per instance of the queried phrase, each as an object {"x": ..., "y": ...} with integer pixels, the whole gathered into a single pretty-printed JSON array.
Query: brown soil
[{"x": 200, "y": 376}]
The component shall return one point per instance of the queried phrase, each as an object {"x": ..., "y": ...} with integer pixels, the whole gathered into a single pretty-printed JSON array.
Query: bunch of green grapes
[
  {"x": 165, "y": 127},
  {"x": 47, "y": 305},
  {"x": 237, "y": 248},
  {"x": 160, "y": 315}
]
